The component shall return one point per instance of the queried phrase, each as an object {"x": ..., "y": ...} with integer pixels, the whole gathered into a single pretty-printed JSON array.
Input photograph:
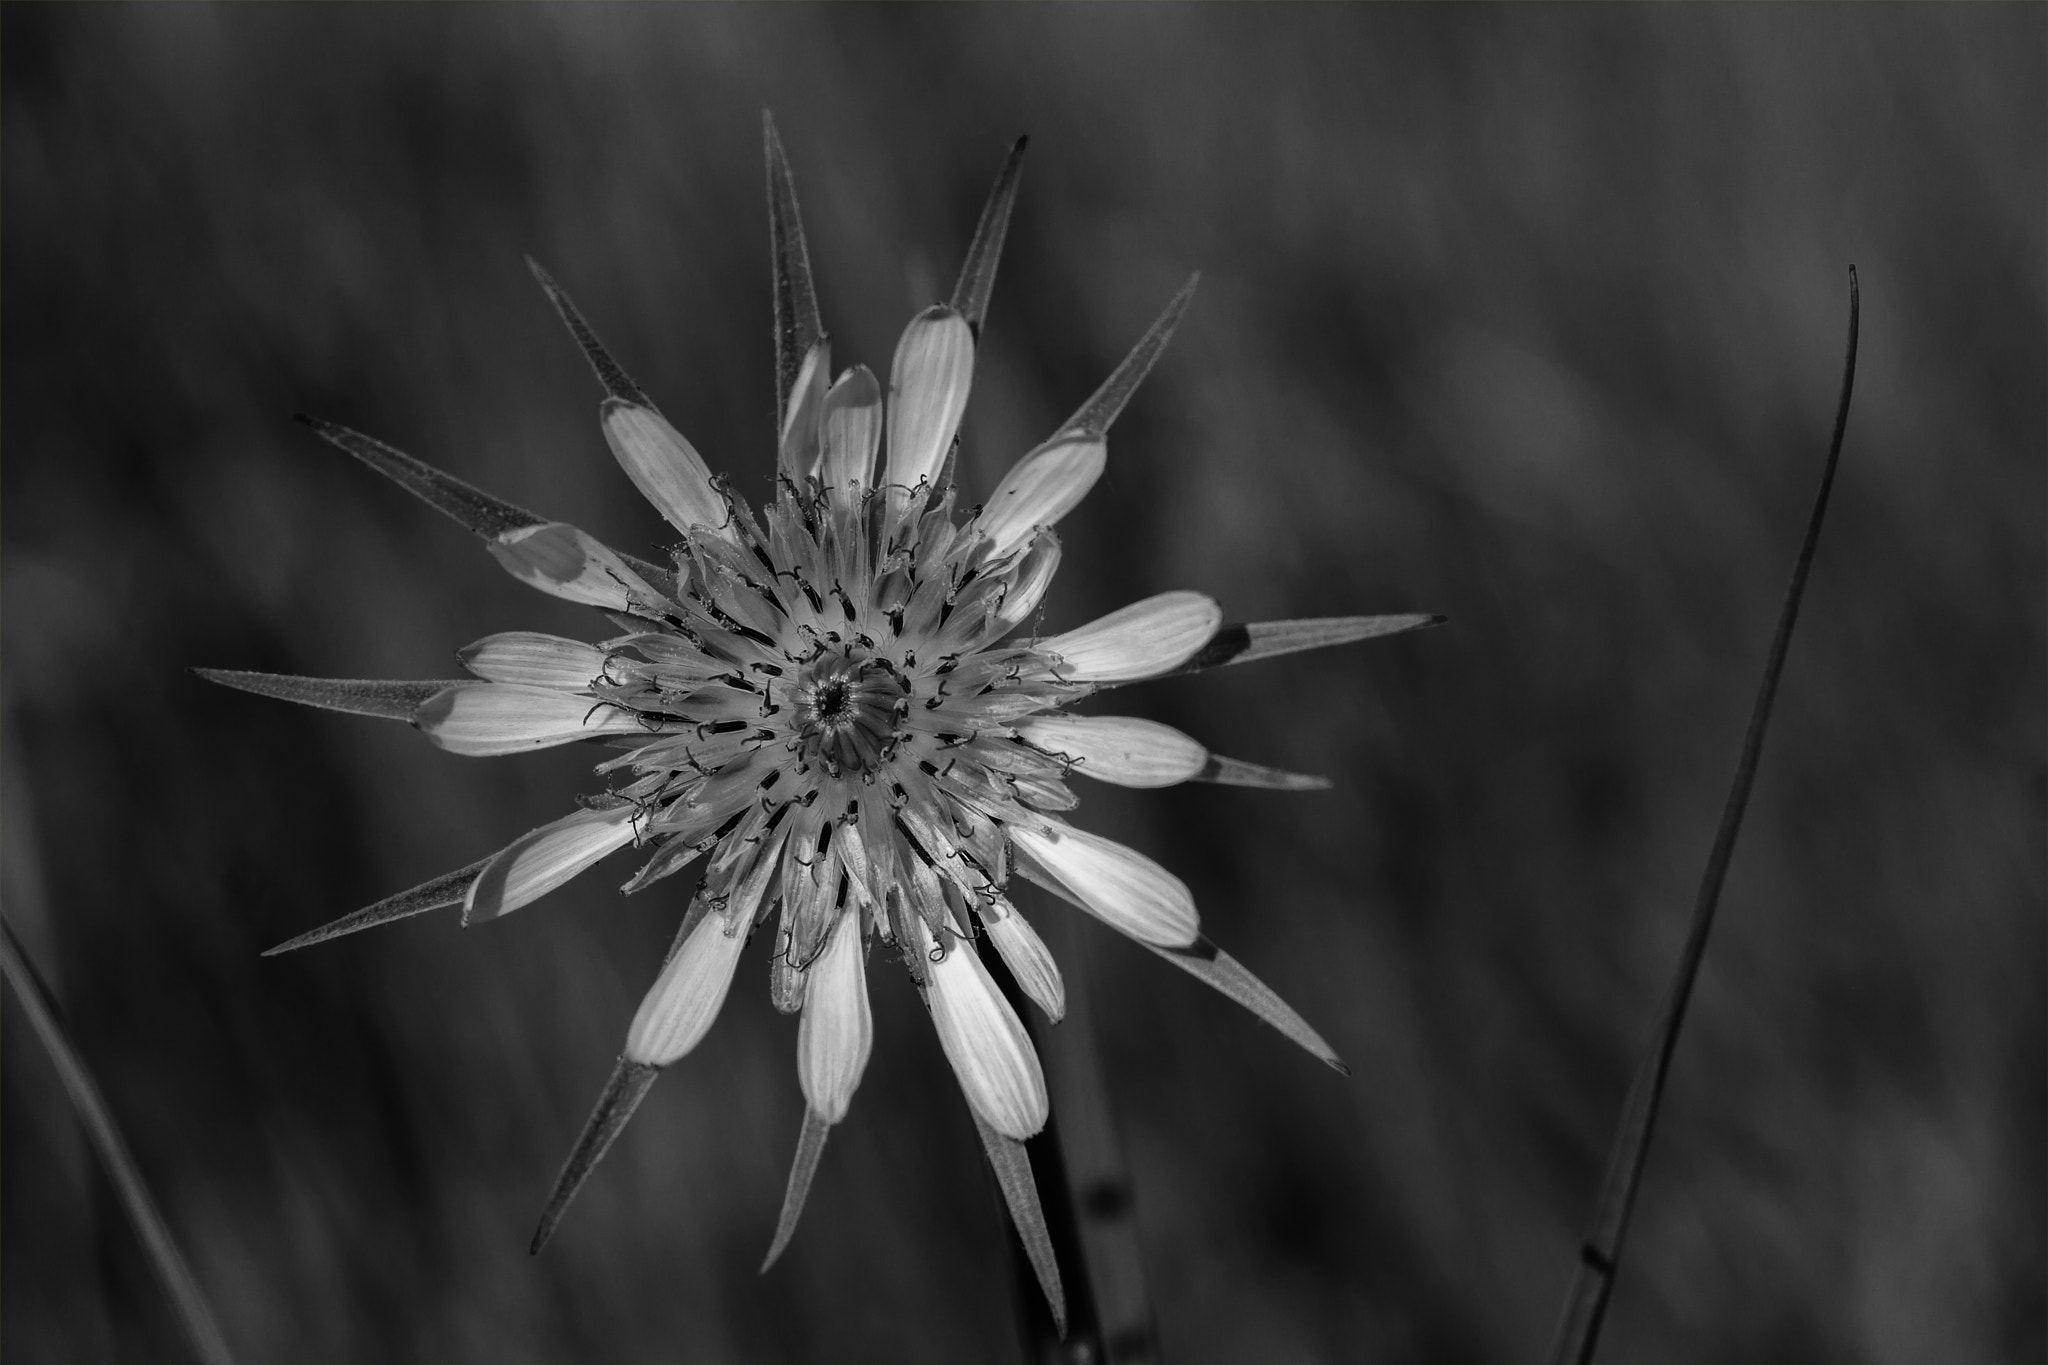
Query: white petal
[
  {"x": 1027, "y": 590},
  {"x": 1030, "y": 961},
  {"x": 565, "y": 562},
  {"x": 484, "y": 718},
  {"x": 1144, "y": 638},
  {"x": 806, "y": 406},
  {"x": 928, "y": 392},
  {"x": 534, "y": 660},
  {"x": 1119, "y": 886},
  {"x": 833, "y": 1040},
  {"x": 542, "y": 860},
  {"x": 666, "y": 469},
  {"x": 1120, "y": 749},
  {"x": 983, "y": 1039},
  {"x": 686, "y": 998},
  {"x": 1040, "y": 489},
  {"x": 853, "y": 429}
]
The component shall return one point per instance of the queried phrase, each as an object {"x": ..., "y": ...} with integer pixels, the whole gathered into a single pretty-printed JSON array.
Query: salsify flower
[{"x": 829, "y": 705}]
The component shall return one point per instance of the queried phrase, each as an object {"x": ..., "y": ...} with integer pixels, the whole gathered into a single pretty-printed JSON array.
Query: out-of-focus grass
[{"x": 1526, "y": 316}]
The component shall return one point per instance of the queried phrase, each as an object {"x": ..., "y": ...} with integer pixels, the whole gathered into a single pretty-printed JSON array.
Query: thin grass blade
[
  {"x": 357, "y": 696},
  {"x": 810, "y": 1145},
  {"x": 489, "y": 517},
  {"x": 616, "y": 381},
  {"x": 1585, "y": 1309},
  {"x": 797, "y": 325},
  {"x": 1096, "y": 415},
  {"x": 1241, "y": 644},
  {"x": 202, "y": 1333},
  {"x": 622, "y": 1094},
  {"x": 450, "y": 888},
  {"x": 1235, "y": 772},
  {"x": 1012, "y": 1165},
  {"x": 978, "y": 273},
  {"x": 1206, "y": 962}
]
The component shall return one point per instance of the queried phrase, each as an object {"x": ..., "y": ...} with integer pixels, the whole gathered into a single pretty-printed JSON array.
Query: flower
[{"x": 829, "y": 705}]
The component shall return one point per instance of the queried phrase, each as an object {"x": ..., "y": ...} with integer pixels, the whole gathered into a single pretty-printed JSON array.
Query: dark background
[{"x": 1529, "y": 316}]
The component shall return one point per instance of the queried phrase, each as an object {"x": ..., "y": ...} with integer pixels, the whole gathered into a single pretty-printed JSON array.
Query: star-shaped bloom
[{"x": 840, "y": 708}]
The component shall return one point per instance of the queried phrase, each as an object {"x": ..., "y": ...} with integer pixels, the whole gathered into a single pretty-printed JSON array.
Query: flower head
[{"x": 841, "y": 709}]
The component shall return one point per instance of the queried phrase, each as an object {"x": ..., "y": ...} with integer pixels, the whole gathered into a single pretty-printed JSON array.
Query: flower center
[{"x": 847, "y": 712}]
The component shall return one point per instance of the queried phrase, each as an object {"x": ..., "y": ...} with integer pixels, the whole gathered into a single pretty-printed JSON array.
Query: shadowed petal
[
  {"x": 1206, "y": 961},
  {"x": 1144, "y": 640},
  {"x": 1096, "y": 415},
  {"x": 1030, "y": 962},
  {"x": 450, "y": 888},
  {"x": 928, "y": 385},
  {"x": 541, "y": 860},
  {"x": 480, "y": 719},
  {"x": 621, "y": 1096},
  {"x": 1040, "y": 489},
  {"x": 1012, "y": 1165},
  {"x": 810, "y": 1145},
  {"x": 797, "y": 327},
  {"x": 1119, "y": 749},
  {"x": 852, "y": 429},
  {"x": 802, "y": 427},
  {"x": 684, "y": 1001},
  {"x": 1235, "y": 772},
  {"x": 1119, "y": 886},
  {"x": 564, "y": 562},
  {"x": 357, "y": 696},
  {"x": 664, "y": 466},
  {"x": 833, "y": 1040},
  {"x": 982, "y": 1038},
  {"x": 616, "y": 382},
  {"x": 531, "y": 659},
  {"x": 978, "y": 273},
  {"x": 1240, "y": 644}
]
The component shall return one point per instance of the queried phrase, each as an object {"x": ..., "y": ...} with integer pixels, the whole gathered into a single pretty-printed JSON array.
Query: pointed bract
[
  {"x": 617, "y": 383},
  {"x": 1235, "y": 772},
  {"x": 810, "y": 1145},
  {"x": 978, "y": 272},
  {"x": 627, "y": 1086},
  {"x": 1101, "y": 409},
  {"x": 1205, "y": 961},
  {"x": 1241, "y": 644},
  {"x": 474, "y": 508},
  {"x": 797, "y": 327},
  {"x": 450, "y": 888},
  {"x": 1012, "y": 1167},
  {"x": 357, "y": 696}
]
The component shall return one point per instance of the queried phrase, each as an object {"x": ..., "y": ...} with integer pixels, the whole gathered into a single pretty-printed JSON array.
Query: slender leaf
[
  {"x": 978, "y": 273},
  {"x": 797, "y": 326},
  {"x": 1012, "y": 1165},
  {"x": 357, "y": 696},
  {"x": 1206, "y": 962},
  {"x": 450, "y": 888},
  {"x": 1235, "y": 772},
  {"x": 627, "y": 1086},
  {"x": 202, "y": 1333},
  {"x": 1585, "y": 1309},
  {"x": 1241, "y": 644},
  {"x": 616, "y": 381},
  {"x": 810, "y": 1145},
  {"x": 489, "y": 517},
  {"x": 1096, "y": 415}
]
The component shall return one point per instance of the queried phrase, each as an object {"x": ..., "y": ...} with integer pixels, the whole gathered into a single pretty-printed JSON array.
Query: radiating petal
[
  {"x": 567, "y": 563},
  {"x": 1027, "y": 590},
  {"x": 1119, "y": 886},
  {"x": 1240, "y": 644},
  {"x": 1120, "y": 749},
  {"x": 530, "y": 659},
  {"x": 1107, "y": 402},
  {"x": 1205, "y": 961},
  {"x": 666, "y": 469},
  {"x": 927, "y": 393},
  {"x": 686, "y": 998},
  {"x": 1030, "y": 962},
  {"x": 1142, "y": 640},
  {"x": 450, "y": 888},
  {"x": 622, "y": 1093},
  {"x": 833, "y": 1040},
  {"x": 357, "y": 696},
  {"x": 810, "y": 1145},
  {"x": 978, "y": 273},
  {"x": 797, "y": 327},
  {"x": 983, "y": 1038},
  {"x": 853, "y": 429},
  {"x": 1012, "y": 1165},
  {"x": 802, "y": 425},
  {"x": 1235, "y": 772},
  {"x": 484, "y": 718},
  {"x": 541, "y": 860},
  {"x": 1040, "y": 489}
]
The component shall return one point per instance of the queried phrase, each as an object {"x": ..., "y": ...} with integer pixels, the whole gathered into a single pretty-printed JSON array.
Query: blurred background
[{"x": 1533, "y": 317}]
